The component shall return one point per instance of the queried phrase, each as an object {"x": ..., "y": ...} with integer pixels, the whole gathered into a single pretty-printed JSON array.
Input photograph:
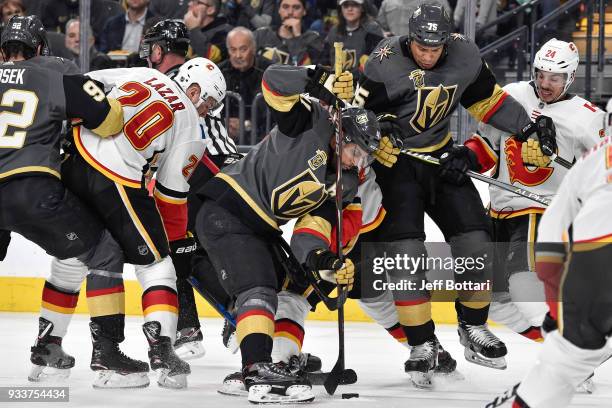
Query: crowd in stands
[{"x": 244, "y": 36}]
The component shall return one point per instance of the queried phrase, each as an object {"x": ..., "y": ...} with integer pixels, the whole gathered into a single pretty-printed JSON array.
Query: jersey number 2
[
  {"x": 19, "y": 120},
  {"x": 149, "y": 122}
]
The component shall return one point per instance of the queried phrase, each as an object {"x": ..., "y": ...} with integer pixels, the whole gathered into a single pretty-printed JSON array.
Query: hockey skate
[
  {"x": 229, "y": 337},
  {"x": 49, "y": 361},
  {"x": 188, "y": 344},
  {"x": 447, "y": 365},
  {"x": 113, "y": 368},
  {"x": 422, "y": 363},
  {"x": 273, "y": 383},
  {"x": 233, "y": 384},
  {"x": 172, "y": 371},
  {"x": 481, "y": 346}
]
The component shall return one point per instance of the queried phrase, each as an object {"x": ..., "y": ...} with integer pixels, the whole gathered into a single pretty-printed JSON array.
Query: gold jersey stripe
[
  {"x": 276, "y": 101},
  {"x": 314, "y": 223},
  {"x": 229, "y": 180},
  {"x": 481, "y": 109},
  {"x": 30, "y": 169},
  {"x": 113, "y": 123},
  {"x": 432, "y": 148},
  {"x": 141, "y": 229}
]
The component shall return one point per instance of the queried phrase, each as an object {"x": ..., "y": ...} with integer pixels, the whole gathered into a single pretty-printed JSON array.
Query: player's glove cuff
[
  {"x": 316, "y": 86},
  {"x": 456, "y": 162}
]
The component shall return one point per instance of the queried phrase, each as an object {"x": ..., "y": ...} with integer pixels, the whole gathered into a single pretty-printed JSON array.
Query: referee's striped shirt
[{"x": 213, "y": 129}]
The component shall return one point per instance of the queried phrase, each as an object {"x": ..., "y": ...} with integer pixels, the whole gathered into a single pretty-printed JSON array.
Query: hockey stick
[
  {"x": 560, "y": 160},
  {"x": 489, "y": 180},
  {"x": 338, "y": 373}
]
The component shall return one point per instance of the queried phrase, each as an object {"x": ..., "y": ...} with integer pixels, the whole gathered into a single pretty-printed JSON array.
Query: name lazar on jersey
[
  {"x": 166, "y": 93},
  {"x": 12, "y": 76}
]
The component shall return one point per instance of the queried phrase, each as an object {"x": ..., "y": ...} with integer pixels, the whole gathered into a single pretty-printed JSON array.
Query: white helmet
[
  {"x": 208, "y": 76},
  {"x": 559, "y": 57}
]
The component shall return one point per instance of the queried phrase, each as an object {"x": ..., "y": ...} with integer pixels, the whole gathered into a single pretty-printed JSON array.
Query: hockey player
[
  {"x": 579, "y": 126},
  {"x": 421, "y": 78},
  {"x": 165, "y": 46},
  {"x": 162, "y": 135},
  {"x": 36, "y": 98},
  {"x": 573, "y": 255},
  {"x": 286, "y": 176}
]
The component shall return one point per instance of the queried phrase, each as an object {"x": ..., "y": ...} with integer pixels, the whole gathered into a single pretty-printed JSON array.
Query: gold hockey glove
[
  {"x": 324, "y": 265},
  {"x": 532, "y": 154},
  {"x": 342, "y": 86},
  {"x": 387, "y": 153}
]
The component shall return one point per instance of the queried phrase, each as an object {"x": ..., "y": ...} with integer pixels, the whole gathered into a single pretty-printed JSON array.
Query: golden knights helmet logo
[
  {"x": 350, "y": 60},
  {"x": 433, "y": 104},
  {"x": 298, "y": 196}
]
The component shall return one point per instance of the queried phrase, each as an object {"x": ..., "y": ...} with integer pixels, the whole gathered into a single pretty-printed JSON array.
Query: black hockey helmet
[
  {"x": 27, "y": 30},
  {"x": 171, "y": 34},
  {"x": 430, "y": 25},
  {"x": 361, "y": 127}
]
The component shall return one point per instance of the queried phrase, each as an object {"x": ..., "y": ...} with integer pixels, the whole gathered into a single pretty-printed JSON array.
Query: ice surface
[{"x": 377, "y": 358}]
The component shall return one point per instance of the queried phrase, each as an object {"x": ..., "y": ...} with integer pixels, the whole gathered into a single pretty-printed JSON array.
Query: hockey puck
[{"x": 350, "y": 395}]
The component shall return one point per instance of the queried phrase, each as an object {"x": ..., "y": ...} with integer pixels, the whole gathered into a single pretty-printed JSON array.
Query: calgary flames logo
[
  {"x": 433, "y": 104},
  {"x": 517, "y": 170},
  {"x": 298, "y": 196}
]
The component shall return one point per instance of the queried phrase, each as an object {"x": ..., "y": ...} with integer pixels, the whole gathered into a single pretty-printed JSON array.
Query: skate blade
[
  {"x": 421, "y": 380},
  {"x": 176, "y": 382},
  {"x": 586, "y": 387},
  {"x": 498, "y": 363},
  {"x": 112, "y": 379},
  {"x": 295, "y": 394},
  {"x": 232, "y": 344},
  {"x": 233, "y": 388},
  {"x": 48, "y": 374},
  {"x": 191, "y": 350}
]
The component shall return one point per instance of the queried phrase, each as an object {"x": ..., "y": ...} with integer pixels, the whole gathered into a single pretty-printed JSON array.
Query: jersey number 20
[
  {"x": 149, "y": 122},
  {"x": 19, "y": 120}
]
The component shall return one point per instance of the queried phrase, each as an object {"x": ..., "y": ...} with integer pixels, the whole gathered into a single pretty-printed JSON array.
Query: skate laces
[
  {"x": 482, "y": 335},
  {"x": 423, "y": 351}
]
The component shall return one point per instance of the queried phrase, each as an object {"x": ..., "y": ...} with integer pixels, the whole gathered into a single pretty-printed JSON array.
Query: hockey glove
[
  {"x": 5, "y": 240},
  {"x": 181, "y": 252},
  {"x": 342, "y": 86},
  {"x": 325, "y": 265},
  {"x": 390, "y": 131},
  {"x": 547, "y": 135},
  {"x": 532, "y": 154},
  {"x": 316, "y": 86},
  {"x": 455, "y": 162}
]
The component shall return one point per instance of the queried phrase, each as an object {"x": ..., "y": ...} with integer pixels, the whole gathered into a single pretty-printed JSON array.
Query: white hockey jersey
[
  {"x": 583, "y": 201},
  {"x": 579, "y": 126},
  {"x": 161, "y": 131},
  {"x": 161, "y": 134}
]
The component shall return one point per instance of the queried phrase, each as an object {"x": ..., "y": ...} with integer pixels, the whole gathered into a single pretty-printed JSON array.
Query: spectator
[
  {"x": 359, "y": 33},
  {"x": 9, "y": 8},
  {"x": 173, "y": 9},
  {"x": 243, "y": 73},
  {"x": 394, "y": 15},
  {"x": 97, "y": 60},
  {"x": 207, "y": 29},
  {"x": 124, "y": 31},
  {"x": 33, "y": 7},
  {"x": 289, "y": 43},
  {"x": 486, "y": 12},
  {"x": 248, "y": 13},
  {"x": 55, "y": 13}
]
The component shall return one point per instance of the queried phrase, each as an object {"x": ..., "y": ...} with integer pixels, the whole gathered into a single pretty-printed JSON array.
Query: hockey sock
[
  {"x": 472, "y": 307},
  {"x": 560, "y": 367},
  {"x": 159, "y": 299},
  {"x": 58, "y": 307},
  {"x": 415, "y": 317},
  {"x": 255, "y": 324},
  {"x": 289, "y": 326},
  {"x": 383, "y": 311},
  {"x": 187, "y": 311},
  {"x": 106, "y": 303}
]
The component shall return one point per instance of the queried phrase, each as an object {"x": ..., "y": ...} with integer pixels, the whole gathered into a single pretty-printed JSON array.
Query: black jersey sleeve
[
  {"x": 487, "y": 102},
  {"x": 281, "y": 87},
  {"x": 86, "y": 101}
]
